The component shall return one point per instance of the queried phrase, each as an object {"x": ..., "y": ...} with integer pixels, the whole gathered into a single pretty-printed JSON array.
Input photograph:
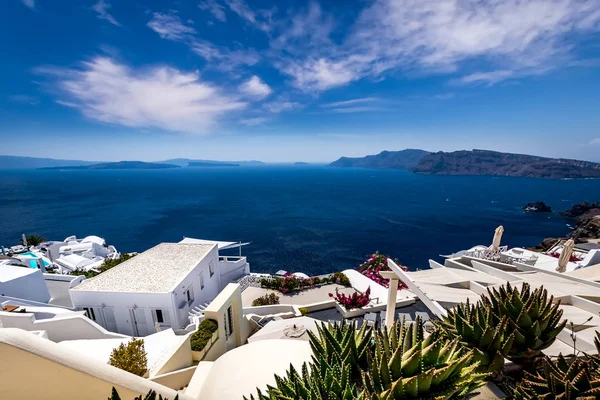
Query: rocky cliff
[{"x": 485, "y": 162}]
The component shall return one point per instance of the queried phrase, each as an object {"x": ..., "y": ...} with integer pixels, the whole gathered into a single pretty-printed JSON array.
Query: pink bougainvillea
[
  {"x": 374, "y": 265},
  {"x": 355, "y": 300}
]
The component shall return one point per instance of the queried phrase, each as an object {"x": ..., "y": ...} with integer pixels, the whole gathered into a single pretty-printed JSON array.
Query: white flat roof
[
  {"x": 10, "y": 272},
  {"x": 157, "y": 270}
]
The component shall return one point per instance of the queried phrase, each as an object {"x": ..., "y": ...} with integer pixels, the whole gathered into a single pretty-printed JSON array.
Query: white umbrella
[
  {"x": 565, "y": 255},
  {"x": 497, "y": 238},
  {"x": 292, "y": 328}
]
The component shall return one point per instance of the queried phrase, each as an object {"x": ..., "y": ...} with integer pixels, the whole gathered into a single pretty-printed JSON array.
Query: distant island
[
  {"x": 486, "y": 162},
  {"x": 475, "y": 162},
  {"x": 17, "y": 162},
  {"x": 403, "y": 159},
  {"x": 211, "y": 164},
  {"x": 185, "y": 162},
  {"x": 118, "y": 165},
  {"x": 301, "y": 163}
]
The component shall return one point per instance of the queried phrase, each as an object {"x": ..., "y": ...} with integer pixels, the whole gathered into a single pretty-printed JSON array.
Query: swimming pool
[{"x": 33, "y": 263}]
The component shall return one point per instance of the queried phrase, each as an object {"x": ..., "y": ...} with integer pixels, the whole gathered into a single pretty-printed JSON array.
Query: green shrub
[
  {"x": 341, "y": 279},
  {"x": 105, "y": 266},
  {"x": 202, "y": 336},
  {"x": 266, "y": 300},
  {"x": 130, "y": 357},
  {"x": 303, "y": 310}
]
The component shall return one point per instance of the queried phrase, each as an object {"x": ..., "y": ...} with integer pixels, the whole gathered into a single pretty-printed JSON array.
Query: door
[
  {"x": 138, "y": 321},
  {"x": 109, "y": 319}
]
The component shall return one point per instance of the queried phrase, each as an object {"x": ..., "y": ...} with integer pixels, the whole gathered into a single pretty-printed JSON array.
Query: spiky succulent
[
  {"x": 596, "y": 357},
  {"x": 533, "y": 318},
  {"x": 344, "y": 341},
  {"x": 477, "y": 327},
  {"x": 405, "y": 365},
  {"x": 331, "y": 381},
  {"x": 560, "y": 380}
]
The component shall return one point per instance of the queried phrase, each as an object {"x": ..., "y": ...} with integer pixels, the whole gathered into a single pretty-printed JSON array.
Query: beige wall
[
  {"x": 41, "y": 369},
  {"x": 230, "y": 296},
  {"x": 180, "y": 358}
]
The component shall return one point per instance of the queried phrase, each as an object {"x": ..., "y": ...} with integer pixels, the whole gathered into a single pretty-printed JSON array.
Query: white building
[
  {"x": 23, "y": 283},
  {"x": 159, "y": 286}
]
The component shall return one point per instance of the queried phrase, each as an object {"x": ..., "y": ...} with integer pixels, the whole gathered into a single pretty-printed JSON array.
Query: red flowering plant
[
  {"x": 377, "y": 263},
  {"x": 355, "y": 300}
]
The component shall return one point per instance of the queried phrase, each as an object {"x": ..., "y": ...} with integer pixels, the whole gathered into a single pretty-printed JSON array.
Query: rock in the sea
[
  {"x": 538, "y": 206},
  {"x": 546, "y": 244}
]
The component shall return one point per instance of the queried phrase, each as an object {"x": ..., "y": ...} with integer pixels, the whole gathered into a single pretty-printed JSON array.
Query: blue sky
[{"x": 298, "y": 80}]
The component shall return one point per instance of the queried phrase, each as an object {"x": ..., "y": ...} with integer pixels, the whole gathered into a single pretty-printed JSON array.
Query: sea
[{"x": 311, "y": 219}]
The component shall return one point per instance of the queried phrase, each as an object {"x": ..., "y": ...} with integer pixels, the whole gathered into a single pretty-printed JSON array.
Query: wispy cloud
[
  {"x": 170, "y": 26},
  {"x": 352, "y": 110},
  {"x": 157, "y": 97},
  {"x": 25, "y": 99},
  {"x": 257, "y": 19},
  {"x": 216, "y": 9},
  {"x": 255, "y": 87},
  {"x": 29, "y": 3},
  {"x": 350, "y": 102},
  {"x": 254, "y": 121},
  {"x": 281, "y": 106},
  {"x": 102, "y": 7},
  {"x": 516, "y": 37},
  {"x": 595, "y": 141}
]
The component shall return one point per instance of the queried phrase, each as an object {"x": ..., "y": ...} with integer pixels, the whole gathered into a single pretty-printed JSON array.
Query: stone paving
[{"x": 300, "y": 298}]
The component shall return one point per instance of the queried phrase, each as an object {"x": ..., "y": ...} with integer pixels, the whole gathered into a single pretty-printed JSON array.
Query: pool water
[{"x": 33, "y": 263}]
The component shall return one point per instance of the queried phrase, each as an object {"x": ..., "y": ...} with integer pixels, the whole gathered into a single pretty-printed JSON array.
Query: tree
[
  {"x": 33, "y": 240},
  {"x": 130, "y": 357}
]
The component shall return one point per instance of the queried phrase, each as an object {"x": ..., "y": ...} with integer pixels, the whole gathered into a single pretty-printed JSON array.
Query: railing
[{"x": 487, "y": 254}]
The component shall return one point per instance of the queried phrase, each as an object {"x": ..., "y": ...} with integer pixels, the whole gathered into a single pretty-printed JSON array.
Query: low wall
[
  {"x": 65, "y": 373},
  {"x": 175, "y": 380},
  {"x": 179, "y": 358},
  {"x": 59, "y": 328}
]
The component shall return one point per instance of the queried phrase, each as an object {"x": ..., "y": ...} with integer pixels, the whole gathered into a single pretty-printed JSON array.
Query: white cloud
[
  {"x": 255, "y": 87},
  {"x": 157, "y": 97},
  {"x": 595, "y": 141},
  {"x": 102, "y": 7},
  {"x": 29, "y": 3},
  {"x": 170, "y": 26},
  {"x": 281, "y": 106},
  {"x": 254, "y": 121},
  {"x": 443, "y": 36},
  {"x": 216, "y": 9},
  {"x": 260, "y": 20},
  {"x": 352, "y": 102},
  {"x": 352, "y": 110}
]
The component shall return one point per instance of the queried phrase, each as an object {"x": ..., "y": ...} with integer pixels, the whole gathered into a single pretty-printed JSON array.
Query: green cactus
[
  {"x": 534, "y": 319},
  {"x": 477, "y": 327},
  {"x": 560, "y": 380},
  {"x": 405, "y": 365},
  {"x": 151, "y": 395},
  {"x": 331, "y": 381},
  {"x": 350, "y": 345}
]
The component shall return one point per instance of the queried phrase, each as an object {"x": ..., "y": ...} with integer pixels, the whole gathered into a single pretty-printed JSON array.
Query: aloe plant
[
  {"x": 344, "y": 341},
  {"x": 405, "y": 365},
  {"x": 151, "y": 395},
  {"x": 477, "y": 327},
  {"x": 331, "y": 381},
  {"x": 560, "y": 380},
  {"x": 533, "y": 318}
]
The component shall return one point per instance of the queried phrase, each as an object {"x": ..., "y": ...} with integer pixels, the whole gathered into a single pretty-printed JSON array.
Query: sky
[{"x": 298, "y": 80}]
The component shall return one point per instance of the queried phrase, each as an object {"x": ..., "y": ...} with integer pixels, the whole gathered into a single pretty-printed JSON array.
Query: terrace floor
[{"x": 299, "y": 298}]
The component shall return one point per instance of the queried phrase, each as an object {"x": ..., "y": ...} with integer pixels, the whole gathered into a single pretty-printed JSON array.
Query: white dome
[
  {"x": 93, "y": 239},
  {"x": 240, "y": 371}
]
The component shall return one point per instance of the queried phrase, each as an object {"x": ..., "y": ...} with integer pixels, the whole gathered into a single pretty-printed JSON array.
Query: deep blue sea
[{"x": 313, "y": 219}]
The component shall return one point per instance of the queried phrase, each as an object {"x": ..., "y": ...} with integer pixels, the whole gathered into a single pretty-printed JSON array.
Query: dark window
[
  {"x": 159, "y": 317},
  {"x": 230, "y": 319},
  {"x": 89, "y": 312}
]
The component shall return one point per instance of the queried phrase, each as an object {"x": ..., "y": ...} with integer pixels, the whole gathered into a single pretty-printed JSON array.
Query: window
[
  {"x": 189, "y": 294},
  {"x": 201, "y": 281},
  {"x": 159, "y": 317},
  {"x": 229, "y": 325},
  {"x": 89, "y": 312},
  {"x": 211, "y": 268}
]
